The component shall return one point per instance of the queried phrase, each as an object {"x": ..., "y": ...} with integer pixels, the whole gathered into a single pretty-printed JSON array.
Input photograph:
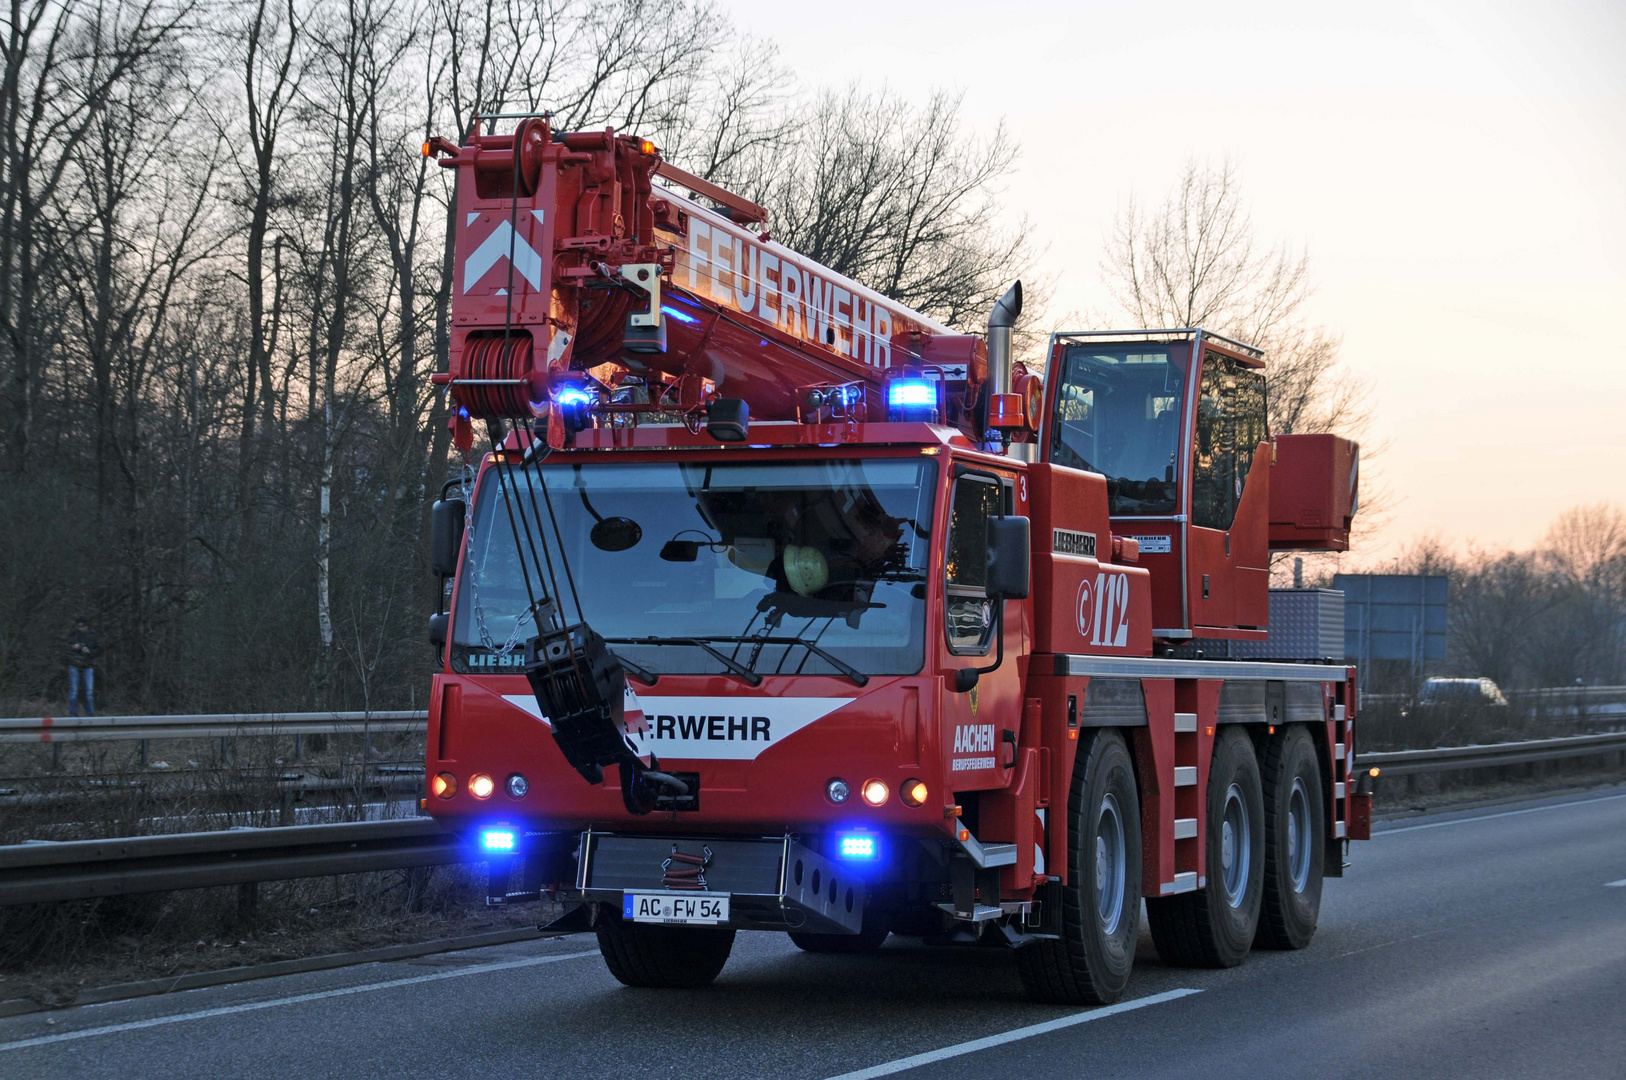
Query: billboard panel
[{"x": 1394, "y": 616}]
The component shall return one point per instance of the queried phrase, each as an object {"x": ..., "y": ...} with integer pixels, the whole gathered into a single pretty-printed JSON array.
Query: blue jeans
[{"x": 81, "y": 679}]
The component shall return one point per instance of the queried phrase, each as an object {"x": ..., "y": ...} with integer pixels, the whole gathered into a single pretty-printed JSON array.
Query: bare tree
[
  {"x": 1585, "y": 549},
  {"x": 263, "y": 47},
  {"x": 226, "y": 274},
  {"x": 1194, "y": 260},
  {"x": 61, "y": 60},
  {"x": 897, "y": 196}
]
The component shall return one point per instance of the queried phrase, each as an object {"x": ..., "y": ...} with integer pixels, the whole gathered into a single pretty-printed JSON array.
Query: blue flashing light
[
  {"x": 497, "y": 840},
  {"x": 912, "y": 393},
  {"x": 857, "y": 846},
  {"x": 575, "y": 396},
  {"x": 678, "y": 315}
]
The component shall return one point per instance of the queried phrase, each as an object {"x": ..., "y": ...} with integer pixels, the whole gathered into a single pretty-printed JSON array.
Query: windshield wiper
[
  {"x": 823, "y": 654},
  {"x": 700, "y": 643},
  {"x": 637, "y": 671},
  {"x": 743, "y": 671}
]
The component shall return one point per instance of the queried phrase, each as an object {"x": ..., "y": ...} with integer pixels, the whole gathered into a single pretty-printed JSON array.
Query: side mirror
[
  {"x": 437, "y": 629},
  {"x": 728, "y": 420},
  {"x": 445, "y": 536},
  {"x": 1009, "y": 557}
]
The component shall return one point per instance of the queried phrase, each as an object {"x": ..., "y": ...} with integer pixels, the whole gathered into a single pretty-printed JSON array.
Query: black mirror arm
[{"x": 966, "y": 678}]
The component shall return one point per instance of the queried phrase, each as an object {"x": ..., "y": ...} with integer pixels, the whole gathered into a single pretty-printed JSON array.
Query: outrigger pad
[{"x": 580, "y": 687}]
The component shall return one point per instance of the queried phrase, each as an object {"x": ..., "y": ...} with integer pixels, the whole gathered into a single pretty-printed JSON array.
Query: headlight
[
  {"x": 518, "y": 786},
  {"x": 481, "y": 786}
]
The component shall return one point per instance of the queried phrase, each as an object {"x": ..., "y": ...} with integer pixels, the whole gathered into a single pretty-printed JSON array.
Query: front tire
[
  {"x": 1100, "y": 916},
  {"x": 1215, "y": 925},
  {"x": 1295, "y": 841},
  {"x": 664, "y": 957}
]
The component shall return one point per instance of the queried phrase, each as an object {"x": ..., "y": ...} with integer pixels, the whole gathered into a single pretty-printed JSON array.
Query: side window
[
  {"x": 1251, "y": 426},
  {"x": 1230, "y": 426},
  {"x": 970, "y": 612}
]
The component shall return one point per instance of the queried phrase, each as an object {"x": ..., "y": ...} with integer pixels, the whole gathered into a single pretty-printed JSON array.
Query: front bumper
[{"x": 775, "y": 883}]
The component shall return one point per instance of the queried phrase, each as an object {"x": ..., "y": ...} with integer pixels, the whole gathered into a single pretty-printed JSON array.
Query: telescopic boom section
[{"x": 586, "y": 290}]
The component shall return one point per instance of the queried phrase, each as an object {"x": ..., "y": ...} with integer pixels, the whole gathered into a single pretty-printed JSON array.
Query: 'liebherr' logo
[{"x": 1072, "y": 542}]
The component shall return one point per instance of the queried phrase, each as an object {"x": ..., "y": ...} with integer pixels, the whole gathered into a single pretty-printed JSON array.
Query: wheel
[
  {"x": 1100, "y": 915},
  {"x": 1215, "y": 925},
  {"x": 1295, "y": 844},
  {"x": 652, "y": 955},
  {"x": 867, "y": 940}
]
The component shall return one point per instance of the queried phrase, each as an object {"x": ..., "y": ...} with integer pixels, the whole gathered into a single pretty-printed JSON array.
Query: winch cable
[
  {"x": 504, "y": 483},
  {"x": 521, "y": 129},
  {"x": 564, "y": 561},
  {"x": 529, "y": 449}
]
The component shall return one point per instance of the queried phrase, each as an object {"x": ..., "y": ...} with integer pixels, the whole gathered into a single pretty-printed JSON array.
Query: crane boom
[{"x": 575, "y": 268}]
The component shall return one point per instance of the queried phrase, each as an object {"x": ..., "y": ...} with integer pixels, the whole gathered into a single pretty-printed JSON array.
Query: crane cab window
[
  {"x": 1230, "y": 426},
  {"x": 1118, "y": 412},
  {"x": 970, "y": 611}
]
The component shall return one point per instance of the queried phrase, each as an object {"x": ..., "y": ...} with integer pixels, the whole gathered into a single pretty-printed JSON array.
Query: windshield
[
  {"x": 1118, "y": 413},
  {"x": 831, "y": 552}
]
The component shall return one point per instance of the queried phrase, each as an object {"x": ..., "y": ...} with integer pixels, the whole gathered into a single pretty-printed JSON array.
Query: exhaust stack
[{"x": 1001, "y": 321}]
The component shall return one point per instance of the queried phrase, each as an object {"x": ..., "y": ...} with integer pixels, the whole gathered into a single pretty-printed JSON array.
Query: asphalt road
[{"x": 1484, "y": 943}]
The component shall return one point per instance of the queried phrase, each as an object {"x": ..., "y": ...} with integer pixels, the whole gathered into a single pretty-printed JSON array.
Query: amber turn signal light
[
  {"x": 913, "y": 792},
  {"x": 443, "y": 786}
]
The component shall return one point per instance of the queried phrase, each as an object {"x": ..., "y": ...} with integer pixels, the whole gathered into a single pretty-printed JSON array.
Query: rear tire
[
  {"x": 1295, "y": 841},
  {"x": 1100, "y": 915},
  {"x": 1215, "y": 925},
  {"x": 664, "y": 957}
]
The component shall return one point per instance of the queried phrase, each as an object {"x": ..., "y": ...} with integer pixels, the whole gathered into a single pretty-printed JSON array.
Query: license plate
[{"x": 704, "y": 909}]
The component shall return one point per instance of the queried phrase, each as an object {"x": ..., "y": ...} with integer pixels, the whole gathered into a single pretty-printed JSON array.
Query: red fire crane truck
[{"x": 780, "y": 606}]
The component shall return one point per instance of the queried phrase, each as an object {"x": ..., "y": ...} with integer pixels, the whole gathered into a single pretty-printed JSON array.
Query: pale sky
[{"x": 1456, "y": 170}]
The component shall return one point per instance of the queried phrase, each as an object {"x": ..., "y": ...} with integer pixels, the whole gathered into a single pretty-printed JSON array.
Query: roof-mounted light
[{"x": 914, "y": 400}]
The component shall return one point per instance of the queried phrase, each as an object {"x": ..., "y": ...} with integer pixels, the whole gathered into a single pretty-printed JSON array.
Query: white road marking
[
  {"x": 252, "y": 1006},
  {"x": 932, "y": 1056},
  {"x": 1488, "y": 817},
  {"x": 1621, "y": 884}
]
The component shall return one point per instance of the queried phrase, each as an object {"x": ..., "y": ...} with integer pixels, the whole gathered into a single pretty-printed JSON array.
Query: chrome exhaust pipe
[{"x": 1001, "y": 321}]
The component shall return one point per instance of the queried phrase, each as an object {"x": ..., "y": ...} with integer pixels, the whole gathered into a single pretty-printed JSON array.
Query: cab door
[
  {"x": 1227, "y": 545},
  {"x": 977, "y": 751}
]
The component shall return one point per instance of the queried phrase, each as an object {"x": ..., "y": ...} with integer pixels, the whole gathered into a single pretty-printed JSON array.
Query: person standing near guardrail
[{"x": 83, "y": 649}]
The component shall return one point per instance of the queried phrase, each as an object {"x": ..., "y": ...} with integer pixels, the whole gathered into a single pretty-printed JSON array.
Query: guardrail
[
  {"x": 47, "y": 729},
  {"x": 84, "y": 869},
  {"x": 1490, "y": 755},
  {"x": 1570, "y": 697},
  {"x": 81, "y": 869}
]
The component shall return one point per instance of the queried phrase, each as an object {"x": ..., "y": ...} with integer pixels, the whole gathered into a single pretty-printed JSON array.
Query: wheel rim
[
  {"x": 1109, "y": 865},
  {"x": 1298, "y": 836},
  {"x": 1236, "y": 848}
]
